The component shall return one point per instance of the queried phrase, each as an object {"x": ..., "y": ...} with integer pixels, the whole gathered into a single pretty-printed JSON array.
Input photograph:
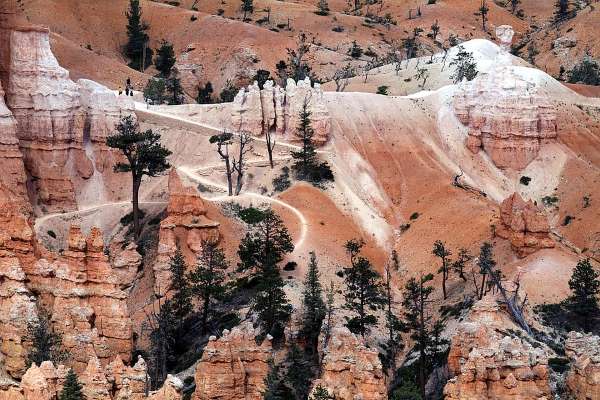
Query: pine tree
[
  {"x": 260, "y": 251},
  {"x": 137, "y": 37},
  {"x": 435, "y": 30},
  {"x": 46, "y": 345},
  {"x": 247, "y": 7},
  {"x": 314, "y": 306},
  {"x": 145, "y": 155},
  {"x": 483, "y": 11},
  {"x": 306, "y": 166},
  {"x": 163, "y": 341},
  {"x": 393, "y": 323},
  {"x": 320, "y": 393},
  {"x": 174, "y": 88},
  {"x": 205, "y": 94},
  {"x": 165, "y": 58},
  {"x": 208, "y": 278},
  {"x": 299, "y": 373},
  {"x": 466, "y": 67},
  {"x": 322, "y": 7},
  {"x": 154, "y": 91},
  {"x": 561, "y": 10},
  {"x": 486, "y": 264},
  {"x": 363, "y": 290},
  {"x": 72, "y": 389},
  {"x": 418, "y": 322},
  {"x": 181, "y": 300},
  {"x": 439, "y": 250},
  {"x": 585, "y": 287},
  {"x": 274, "y": 387},
  {"x": 458, "y": 266}
]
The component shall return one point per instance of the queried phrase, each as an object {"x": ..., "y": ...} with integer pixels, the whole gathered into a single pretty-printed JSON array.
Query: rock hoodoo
[
  {"x": 186, "y": 226},
  {"x": 506, "y": 115},
  {"x": 115, "y": 382},
  {"x": 350, "y": 369},
  {"x": 524, "y": 224},
  {"x": 56, "y": 120},
  {"x": 584, "y": 378},
  {"x": 233, "y": 366},
  {"x": 486, "y": 361},
  {"x": 277, "y": 109}
]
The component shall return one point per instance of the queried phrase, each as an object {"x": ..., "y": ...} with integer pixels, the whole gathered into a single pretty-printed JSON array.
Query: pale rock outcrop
[
  {"x": 506, "y": 116},
  {"x": 128, "y": 382},
  {"x": 61, "y": 126},
  {"x": 233, "y": 367},
  {"x": 186, "y": 224},
  {"x": 583, "y": 379},
  {"x": 277, "y": 110},
  {"x": 486, "y": 361},
  {"x": 171, "y": 390},
  {"x": 524, "y": 224},
  {"x": 350, "y": 370}
]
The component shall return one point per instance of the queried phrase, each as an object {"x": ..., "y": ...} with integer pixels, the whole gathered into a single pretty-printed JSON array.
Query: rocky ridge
[
  {"x": 583, "y": 379},
  {"x": 277, "y": 110},
  {"x": 507, "y": 117}
]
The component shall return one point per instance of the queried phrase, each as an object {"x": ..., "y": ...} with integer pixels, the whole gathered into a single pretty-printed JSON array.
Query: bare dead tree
[
  {"x": 341, "y": 77},
  {"x": 371, "y": 64},
  {"x": 223, "y": 141},
  {"x": 244, "y": 143}
]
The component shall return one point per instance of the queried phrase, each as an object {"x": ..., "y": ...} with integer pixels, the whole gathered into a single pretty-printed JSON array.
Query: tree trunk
[
  {"x": 229, "y": 177},
  {"x": 444, "y": 278},
  {"x": 482, "y": 286},
  {"x": 205, "y": 313},
  {"x": 135, "y": 205},
  {"x": 422, "y": 341}
]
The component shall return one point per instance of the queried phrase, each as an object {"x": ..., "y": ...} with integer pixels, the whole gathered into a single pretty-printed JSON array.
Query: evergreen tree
[
  {"x": 486, "y": 263},
  {"x": 208, "y": 278},
  {"x": 260, "y": 251},
  {"x": 425, "y": 335},
  {"x": 320, "y": 393},
  {"x": 561, "y": 11},
  {"x": 585, "y": 286},
  {"x": 435, "y": 30},
  {"x": 363, "y": 290},
  {"x": 466, "y": 67},
  {"x": 322, "y": 7},
  {"x": 483, "y": 11},
  {"x": 306, "y": 166},
  {"x": 174, "y": 88},
  {"x": 458, "y": 266},
  {"x": 393, "y": 323},
  {"x": 154, "y": 91},
  {"x": 46, "y": 345},
  {"x": 145, "y": 155},
  {"x": 439, "y": 250},
  {"x": 181, "y": 300},
  {"x": 299, "y": 374},
  {"x": 137, "y": 37},
  {"x": 586, "y": 72},
  {"x": 261, "y": 77},
  {"x": 163, "y": 342},
  {"x": 314, "y": 306},
  {"x": 205, "y": 94},
  {"x": 247, "y": 7},
  {"x": 72, "y": 389},
  {"x": 274, "y": 387},
  {"x": 165, "y": 58}
]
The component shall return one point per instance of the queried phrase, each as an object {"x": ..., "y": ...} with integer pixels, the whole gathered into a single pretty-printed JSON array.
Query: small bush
[
  {"x": 383, "y": 90},
  {"x": 404, "y": 227},
  {"x": 549, "y": 201},
  {"x": 290, "y": 266},
  {"x": 568, "y": 220},
  {"x": 228, "y": 93},
  {"x": 282, "y": 182},
  {"x": 525, "y": 180},
  {"x": 251, "y": 215},
  {"x": 586, "y": 72},
  {"x": 193, "y": 18},
  {"x": 51, "y": 234},
  {"x": 414, "y": 216},
  {"x": 340, "y": 273},
  {"x": 338, "y": 29},
  {"x": 355, "y": 50}
]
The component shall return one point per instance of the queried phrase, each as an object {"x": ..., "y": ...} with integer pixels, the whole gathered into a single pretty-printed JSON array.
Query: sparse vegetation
[{"x": 466, "y": 67}]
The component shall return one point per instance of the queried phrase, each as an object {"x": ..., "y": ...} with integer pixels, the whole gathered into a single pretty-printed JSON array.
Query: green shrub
[
  {"x": 51, "y": 234},
  {"x": 282, "y": 182},
  {"x": 251, "y": 215}
]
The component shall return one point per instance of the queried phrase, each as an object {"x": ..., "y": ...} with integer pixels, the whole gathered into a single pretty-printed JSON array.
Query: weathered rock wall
[
  {"x": 486, "y": 361},
  {"x": 277, "y": 110},
  {"x": 583, "y": 379},
  {"x": 233, "y": 367}
]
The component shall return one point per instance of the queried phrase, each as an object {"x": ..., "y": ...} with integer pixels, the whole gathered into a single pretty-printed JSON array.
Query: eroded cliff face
[
  {"x": 486, "y": 361},
  {"x": 82, "y": 293},
  {"x": 583, "y": 379},
  {"x": 350, "y": 370},
  {"x": 61, "y": 125},
  {"x": 507, "y": 117},
  {"x": 233, "y": 366},
  {"x": 525, "y": 225},
  {"x": 277, "y": 110},
  {"x": 114, "y": 382},
  {"x": 186, "y": 226}
]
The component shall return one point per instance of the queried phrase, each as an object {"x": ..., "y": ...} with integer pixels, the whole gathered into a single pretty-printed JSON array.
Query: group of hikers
[{"x": 128, "y": 88}]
